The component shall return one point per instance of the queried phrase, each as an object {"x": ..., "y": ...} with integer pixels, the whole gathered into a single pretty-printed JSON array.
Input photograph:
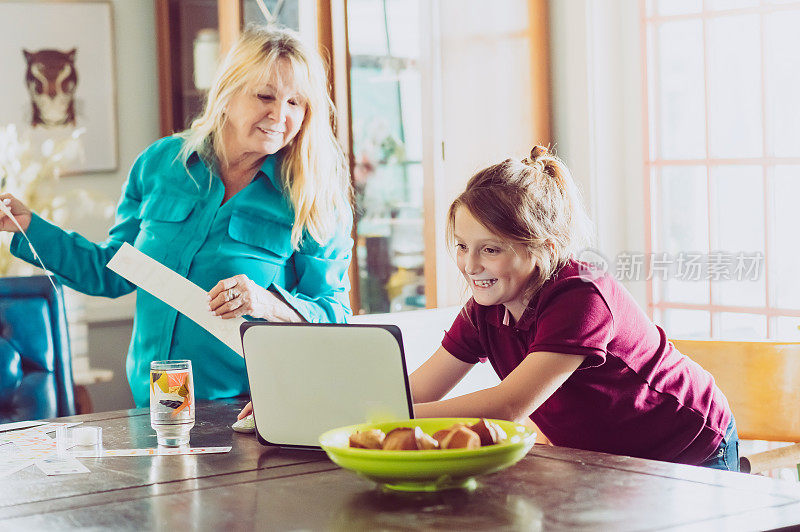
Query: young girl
[{"x": 574, "y": 351}]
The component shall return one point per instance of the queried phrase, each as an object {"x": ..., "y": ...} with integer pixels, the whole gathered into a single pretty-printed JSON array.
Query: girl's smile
[{"x": 498, "y": 272}]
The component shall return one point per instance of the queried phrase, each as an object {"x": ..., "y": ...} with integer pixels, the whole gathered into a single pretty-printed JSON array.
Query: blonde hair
[
  {"x": 533, "y": 202},
  {"x": 314, "y": 170}
]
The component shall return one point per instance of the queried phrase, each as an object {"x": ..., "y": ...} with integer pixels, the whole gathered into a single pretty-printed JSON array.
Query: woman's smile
[
  {"x": 265, "y": 118},
  {"x": 271, "y": 132}
]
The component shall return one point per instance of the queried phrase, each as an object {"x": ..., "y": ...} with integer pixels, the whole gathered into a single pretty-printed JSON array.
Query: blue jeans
[{"x": 727, "y": 454}]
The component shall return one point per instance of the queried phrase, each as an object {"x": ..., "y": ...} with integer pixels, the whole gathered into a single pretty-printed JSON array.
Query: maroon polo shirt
[{"x": 633, "y": 395}]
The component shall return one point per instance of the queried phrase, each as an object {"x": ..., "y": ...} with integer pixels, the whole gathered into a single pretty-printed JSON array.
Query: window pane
[
  {"x": 738, "y": 232},
  {"x": 681, "y": 89},
  {"x": 679, "y": 7},
  {"x": 404, "y": 28},
  {"x": 734, "y": 97},
  {"x": 785, "y": 253},
  {"x": 288, "y": 13},
  {"x": 386, "y": 107},
  {"x": 410, "y": 93},
  {"x": 782, "y": 42},
  {"x": 367, "y": 33},
  {"x": 679, "y": 323},
  {"x": 658, "y": 318},
  {"x": 653, "y": 150},
  {"x": 730, "y": 4},
  {"x": 684, "y": 232},
  {"x": 786, "y": 329},
  {"x": 736, "y": 326}
]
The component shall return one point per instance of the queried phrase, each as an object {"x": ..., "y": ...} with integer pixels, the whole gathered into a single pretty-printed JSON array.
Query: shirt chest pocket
[
  {"x": 163, "y": 223},
  {"x": 251, "y": 236}
]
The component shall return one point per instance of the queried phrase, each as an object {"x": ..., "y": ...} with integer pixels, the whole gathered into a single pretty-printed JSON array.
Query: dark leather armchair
[{"x": 35, "y": 360}]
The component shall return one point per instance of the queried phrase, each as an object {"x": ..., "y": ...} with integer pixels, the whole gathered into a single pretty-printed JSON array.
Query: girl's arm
[
  {"x": 437, "y": 376},
  {"x": 515, "y": 398}
]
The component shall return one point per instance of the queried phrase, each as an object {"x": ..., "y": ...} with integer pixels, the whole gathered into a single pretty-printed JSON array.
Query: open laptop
[{"x": 307, "y": 378}]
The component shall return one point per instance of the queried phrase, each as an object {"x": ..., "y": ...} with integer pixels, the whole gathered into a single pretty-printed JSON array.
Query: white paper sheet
[
  {"x": 20, "y": 425},
  {"x": 176, "y": 291},
  {"x": 160, "y": 451},
  {"x": 11, "y": 465},
  {"x": 61, "y": 466}
]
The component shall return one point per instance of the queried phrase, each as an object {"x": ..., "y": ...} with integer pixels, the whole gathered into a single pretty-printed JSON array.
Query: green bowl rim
[{"x": 527, "y": 437}]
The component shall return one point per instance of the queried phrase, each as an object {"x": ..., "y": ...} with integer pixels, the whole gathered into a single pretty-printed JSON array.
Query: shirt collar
[
  {"x": 499, "y": 316},
  {"x": 271, "y": 167},
  {"x": 193, "y": 158},
  {"x": 528, "y": 317},
  {"x": 496, "y": 314}
]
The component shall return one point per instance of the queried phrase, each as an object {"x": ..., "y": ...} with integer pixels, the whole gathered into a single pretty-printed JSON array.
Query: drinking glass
[{"x": 171, "y": 401}]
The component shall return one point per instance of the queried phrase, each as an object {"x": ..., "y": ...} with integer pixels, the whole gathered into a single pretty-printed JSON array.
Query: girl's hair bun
[{"x": 538, "y": 151}]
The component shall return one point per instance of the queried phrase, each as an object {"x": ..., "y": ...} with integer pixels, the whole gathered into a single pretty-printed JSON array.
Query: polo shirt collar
[
  {"x": 529, "y": 316},
  {"x": 499, "y": 316}
]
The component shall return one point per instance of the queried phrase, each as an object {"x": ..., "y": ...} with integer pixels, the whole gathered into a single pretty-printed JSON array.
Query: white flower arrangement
[{"x": 31, "y": 175}]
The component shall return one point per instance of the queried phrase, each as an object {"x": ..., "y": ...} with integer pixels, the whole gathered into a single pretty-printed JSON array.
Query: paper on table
[
  {"x": 12, "y": 465},
  {"x": 20, "y": 425},
  {"x": 176, "y": 291},
  {"x": 160, "y": 451},
  {"x": 34, "y": 443},
  {"x": 61, "y": 466}
]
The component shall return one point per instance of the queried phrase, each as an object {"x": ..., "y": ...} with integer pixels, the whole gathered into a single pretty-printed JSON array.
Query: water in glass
[{"x": 171, "y": 401}]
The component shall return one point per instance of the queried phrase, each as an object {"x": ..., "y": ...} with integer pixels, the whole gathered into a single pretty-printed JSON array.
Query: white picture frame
[{"x": 61, "y": 26}]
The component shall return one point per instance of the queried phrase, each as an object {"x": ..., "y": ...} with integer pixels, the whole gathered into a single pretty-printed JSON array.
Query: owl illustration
[{"x": 51, "y": 80}]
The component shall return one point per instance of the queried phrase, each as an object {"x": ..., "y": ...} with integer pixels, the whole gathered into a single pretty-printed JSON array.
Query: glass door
[{"x": 386, "y": 118}]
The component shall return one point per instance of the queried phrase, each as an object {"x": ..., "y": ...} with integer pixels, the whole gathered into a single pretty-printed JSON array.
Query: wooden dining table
[{"x": 257, "y": 487}]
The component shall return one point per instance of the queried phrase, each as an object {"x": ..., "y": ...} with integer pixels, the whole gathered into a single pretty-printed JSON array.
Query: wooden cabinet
[
  {"x": 179, "y": 24},
  {"x": 193, "y": 34}
]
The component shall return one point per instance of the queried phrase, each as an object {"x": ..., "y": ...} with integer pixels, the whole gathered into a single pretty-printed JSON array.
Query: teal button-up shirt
[{"x": 181, "y": 222}]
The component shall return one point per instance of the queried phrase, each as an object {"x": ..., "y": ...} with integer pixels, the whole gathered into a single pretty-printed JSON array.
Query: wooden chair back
[{"x": 761, "y": 381}]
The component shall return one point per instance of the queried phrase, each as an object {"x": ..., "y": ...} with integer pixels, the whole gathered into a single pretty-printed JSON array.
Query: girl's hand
[
  {"x": 246, "y": 411},
  {"x": 238, "y": 295},
  {"x": 20, "y": 212}
]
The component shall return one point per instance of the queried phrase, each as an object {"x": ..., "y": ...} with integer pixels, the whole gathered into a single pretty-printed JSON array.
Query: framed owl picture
[{"x": 58, "y": 75}]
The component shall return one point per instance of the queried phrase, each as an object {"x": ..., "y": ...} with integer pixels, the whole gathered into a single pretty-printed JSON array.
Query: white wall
[
  {"x": 486, "y": 108},
  {"x": 597, "y": 116},
  {"x": 137, "y": 107},
  {"x": 597, "y": 94},
  {"x": 109, "y": 330}
]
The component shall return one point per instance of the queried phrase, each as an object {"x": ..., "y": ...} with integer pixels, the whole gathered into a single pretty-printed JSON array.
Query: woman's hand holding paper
[{"x": 238, "y": 296}]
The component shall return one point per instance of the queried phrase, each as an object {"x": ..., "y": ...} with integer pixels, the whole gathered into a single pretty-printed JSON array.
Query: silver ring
[{"x": 230, "y": 293}]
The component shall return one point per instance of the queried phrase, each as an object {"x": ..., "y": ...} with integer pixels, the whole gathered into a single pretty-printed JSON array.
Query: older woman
[{"x": 252, "y": 203}]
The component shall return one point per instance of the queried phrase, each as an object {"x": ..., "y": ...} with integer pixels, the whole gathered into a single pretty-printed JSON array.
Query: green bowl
[{"x": 430, "y": 470}]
